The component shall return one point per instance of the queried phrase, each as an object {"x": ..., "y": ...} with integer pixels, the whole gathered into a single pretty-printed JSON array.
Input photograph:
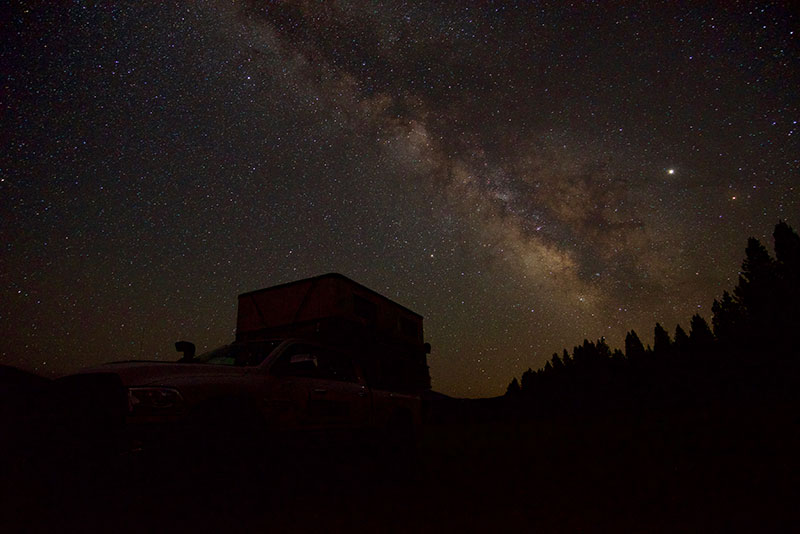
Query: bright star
[{"x": 670, "y": 171}]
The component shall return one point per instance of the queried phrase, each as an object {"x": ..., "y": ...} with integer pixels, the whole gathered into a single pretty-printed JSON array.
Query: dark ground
[{"x": 697, "y": 469}]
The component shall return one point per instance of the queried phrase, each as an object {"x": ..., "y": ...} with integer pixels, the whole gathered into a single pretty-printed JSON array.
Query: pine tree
[
  {"x": 786, "y": 304},
  {"x": 528, "y": 378},
  {"x": 565, "y": 357},
  {"x": 755, "y": 281},
  {"x": 558, "y": 365},
  {"x": 588, "y": 353},
  {"x": 727, "y": 319},
  {"x": 633, "y": 346},
  {"x": 603, "y": 350},
  {"x": 787, "y": 246},
  {"x": 513, "y": 389},
  {"x": 681, "y": 343},
  {"x": 661, "y": 341},
  {"x": 700, "y": 337},
  {"x": 757, "y": 295}
]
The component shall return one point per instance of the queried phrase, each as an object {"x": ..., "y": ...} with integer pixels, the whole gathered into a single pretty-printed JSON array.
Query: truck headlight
[{"x": 153, "y": 400}]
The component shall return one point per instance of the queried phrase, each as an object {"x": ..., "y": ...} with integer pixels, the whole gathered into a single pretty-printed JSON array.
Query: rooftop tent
[
  {"x": 332, "y": 308},
  {"x": 331, "y": 298}
]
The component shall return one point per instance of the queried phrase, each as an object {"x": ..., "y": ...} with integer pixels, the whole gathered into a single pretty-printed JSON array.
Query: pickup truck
[{"x": 320, "y": 355}]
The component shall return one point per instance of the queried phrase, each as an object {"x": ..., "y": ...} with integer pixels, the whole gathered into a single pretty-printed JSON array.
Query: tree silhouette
[
  {"x": 558, "y": 364},
  {"x": 661, "y": 341},
  {"x": 754, "y": 292},
  {"x": 528, "y": 378},
  {"x": 565, "y": 357},
  {"x": 700, "y": 337},
  {"x": 787, "y": 246},
  {"x": 681, "y": 343},
  {"x": 603, "y": 350},
  {"x": 786, "y": 304},
  {"x": 633, "y": 346},
  {"x": 728, "y": 319},
  {"x": 513, "y": 389}
]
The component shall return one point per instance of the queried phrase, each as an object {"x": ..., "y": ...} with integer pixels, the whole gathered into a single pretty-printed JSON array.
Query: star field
[{"x": 523, "y": 175}]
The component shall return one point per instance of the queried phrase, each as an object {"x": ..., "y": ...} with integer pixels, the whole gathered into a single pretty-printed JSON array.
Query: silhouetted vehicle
[{"x": 320, "y": 354}]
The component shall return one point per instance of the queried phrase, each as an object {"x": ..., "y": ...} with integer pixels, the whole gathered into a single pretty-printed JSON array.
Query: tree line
[{"x": 750, "y": 349}]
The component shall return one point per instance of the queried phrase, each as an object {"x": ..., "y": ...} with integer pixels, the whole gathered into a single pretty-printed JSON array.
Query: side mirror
[{"x": 187, "y": 348}]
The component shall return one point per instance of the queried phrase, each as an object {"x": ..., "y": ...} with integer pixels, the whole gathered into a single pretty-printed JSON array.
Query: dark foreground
[{"x": 700, "y": 470}]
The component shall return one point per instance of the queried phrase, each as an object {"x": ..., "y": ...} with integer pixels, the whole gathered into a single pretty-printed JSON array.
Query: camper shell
[{"x": 386, "y": 337}]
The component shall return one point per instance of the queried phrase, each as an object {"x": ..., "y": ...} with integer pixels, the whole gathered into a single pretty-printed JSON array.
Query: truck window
[
  {"x": 238, "y": 354},
  {"x": 297, "y": 360},
  {"x": 316, "y": 362},
  {"x": 337, "y": 366}
]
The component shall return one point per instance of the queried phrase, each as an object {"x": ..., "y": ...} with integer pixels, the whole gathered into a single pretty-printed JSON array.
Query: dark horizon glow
[{"x": 523, "y": 176}]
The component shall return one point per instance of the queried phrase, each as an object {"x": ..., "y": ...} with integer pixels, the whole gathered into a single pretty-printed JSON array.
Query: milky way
[{"x": 523, "y": 175}]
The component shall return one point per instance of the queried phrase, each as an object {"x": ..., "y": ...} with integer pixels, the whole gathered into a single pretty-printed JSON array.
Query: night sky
[{"x": 524, "y": 175}]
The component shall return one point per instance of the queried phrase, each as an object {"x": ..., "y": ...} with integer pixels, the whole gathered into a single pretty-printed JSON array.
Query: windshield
[{"x": 238, "y": 354}]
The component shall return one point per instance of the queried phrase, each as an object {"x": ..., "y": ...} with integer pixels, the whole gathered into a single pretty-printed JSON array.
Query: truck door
[
  {"x": 340, "y": 399},
  {"x": 321, "y": 388}
]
